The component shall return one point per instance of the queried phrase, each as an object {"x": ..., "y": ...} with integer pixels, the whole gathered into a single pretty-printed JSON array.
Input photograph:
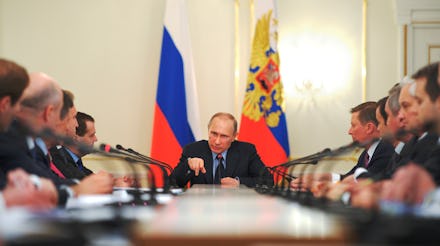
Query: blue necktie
[
  {"x": 80, "y": 164},
  {"x": 220, "y": 171}
]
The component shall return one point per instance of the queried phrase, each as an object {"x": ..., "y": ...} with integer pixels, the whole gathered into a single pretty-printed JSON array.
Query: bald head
[
  {"x": 41, "y": 103},
  {"x": 41, "y": 92}
]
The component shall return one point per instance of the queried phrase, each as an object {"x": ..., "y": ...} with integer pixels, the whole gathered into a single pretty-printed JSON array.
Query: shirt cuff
[
  {"x": 70, "y": 192},
  {"x": 35, "y": 180},
  {"x": 2, "y": 202},
  {"x": 336, "y": 177},
  {"x": 358, "y": 172},
  {"x": 238, "y": 179},
  {"x": 345, "y": 198}
]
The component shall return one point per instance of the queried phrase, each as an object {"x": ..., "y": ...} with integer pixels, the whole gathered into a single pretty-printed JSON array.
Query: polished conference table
[{"x": 214, "y": 215}]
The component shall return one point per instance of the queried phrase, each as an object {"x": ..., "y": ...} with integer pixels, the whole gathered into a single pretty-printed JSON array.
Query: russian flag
[
  {"x": 263, "y": 121},
  {"x": 176, "y": 114}
]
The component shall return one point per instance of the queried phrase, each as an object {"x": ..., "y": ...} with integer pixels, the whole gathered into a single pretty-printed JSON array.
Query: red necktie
[
  {"x": 54, "y": 168},
  {"x": 367, "y": 160}
]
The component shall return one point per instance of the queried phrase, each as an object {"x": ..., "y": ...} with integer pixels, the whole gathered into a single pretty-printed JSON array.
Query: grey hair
[
  {"x": 393, "y": 99},
  {"x": 42, "y": 98}
]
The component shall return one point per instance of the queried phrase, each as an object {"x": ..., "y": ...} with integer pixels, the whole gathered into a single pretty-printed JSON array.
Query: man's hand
[
  {"x": 197, "y": 165},
  {"x": 98, "y": 183},
  {"x": 365, "y": 194},
  {"x": 307, "y": 181},
  {"x": 21, "y": 191},
  {"x": 125, "y": 181},
  {"x": 410, "y": 184},
  {"x": 230, "y": 182}
]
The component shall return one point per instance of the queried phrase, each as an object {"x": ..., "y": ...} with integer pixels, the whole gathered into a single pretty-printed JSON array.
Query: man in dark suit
[
  {"x": 377, "y": 153},
  {"x": 414, "y": 182},
  {"x": 67, "y": 158},
  {"x": 221, "y": 159},
  {"x": 415, "y": 120},
  {"x": 374, "y": 158},
  {"x": 18, "y": 188},
  {"x": 39, "y": 109},
  {"x": 384, "y": 130}
]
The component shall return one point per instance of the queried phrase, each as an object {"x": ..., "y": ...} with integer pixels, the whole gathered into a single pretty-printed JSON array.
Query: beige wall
[
  {"x": 382, "y": 48},
  {"x": 107, "y": 53}
]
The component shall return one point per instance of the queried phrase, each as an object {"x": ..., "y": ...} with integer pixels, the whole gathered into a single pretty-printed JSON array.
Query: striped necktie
[{"x": 220, "y": 171}]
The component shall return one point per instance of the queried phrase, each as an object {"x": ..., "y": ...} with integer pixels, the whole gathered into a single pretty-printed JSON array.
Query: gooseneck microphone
[
  {"x": 280, "y": 171},
  {"x": 106, "y": 148},
  {"x": 149, "y": 160},
  {"x": 286, "y": 172}
]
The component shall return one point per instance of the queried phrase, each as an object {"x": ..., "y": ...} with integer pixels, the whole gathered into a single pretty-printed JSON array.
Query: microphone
[
  {"x": 160, "y": 164},
  {"x": 311, "y": 159},
  {"x": 287, "y": 176},
  {"x": 281, "y": 172},
  {"x": 146, "y": 158},
  {"x": 300, "y": 195},
  {"x": 106, "y": 148}
]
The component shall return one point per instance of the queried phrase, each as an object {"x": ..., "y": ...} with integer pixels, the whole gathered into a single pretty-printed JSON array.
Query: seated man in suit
[
  {"x": 18, "y": 187},
  {"x": 373, "y": 159},
  {"x": 67, "y": 157},
  {"x": 40, "y": 108},
  {"x": 415, "y": 186},
  {"x": 86, "y": 131},
  {"x": 423, "y": 142},
  {"x": 221, "y": 159},
  {"x": 80, "y": 127}
]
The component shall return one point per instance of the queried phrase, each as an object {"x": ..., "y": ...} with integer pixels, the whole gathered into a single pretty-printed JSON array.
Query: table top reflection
[{"x": 214, "y": 212}]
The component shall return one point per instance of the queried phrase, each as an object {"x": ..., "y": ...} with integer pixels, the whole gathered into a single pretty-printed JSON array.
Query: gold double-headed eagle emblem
[{"x": 264, "y": 91}]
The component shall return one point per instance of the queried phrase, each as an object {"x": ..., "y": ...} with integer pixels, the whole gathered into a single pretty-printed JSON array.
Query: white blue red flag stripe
[{"x": 176, "y": 115}]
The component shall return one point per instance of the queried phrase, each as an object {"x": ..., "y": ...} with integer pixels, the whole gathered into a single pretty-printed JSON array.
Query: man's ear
[
  {"x": 5, "y": 103},
  {"x": 371, "y": 128},
  {"x": 437, "y": 104},
  {"x": 47, "y": 113}
]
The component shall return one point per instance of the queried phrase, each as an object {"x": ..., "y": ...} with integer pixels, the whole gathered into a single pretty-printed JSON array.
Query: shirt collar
[
  {"x": 40, "y": 143},
  {"x": 224, "y": 154},
  {"x": 74, "y": 157},
  {"x": 399, "y": 147},
  {"x": 30, "y": 142},
  {"x": 422, "y": 136},
  {"x": 372, "y": 148}
]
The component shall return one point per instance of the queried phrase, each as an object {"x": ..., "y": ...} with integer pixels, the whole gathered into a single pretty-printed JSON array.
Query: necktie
[
  {"x": 80, "y": 165},
  {"x": 220, "y": 171},
  {"x": 54, "y": 168},
  {"x": 33, "y": 153},
  {"x": 366, "y": 160}
]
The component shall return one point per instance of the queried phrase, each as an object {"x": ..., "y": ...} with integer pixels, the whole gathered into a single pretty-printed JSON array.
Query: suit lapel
[
  {"x": 361, "y": 159},
  {"x": 232, "y": 161},
  {"x": 376, "y": 152},
  {"x": 40, "y": 157},
  {"x": 207, "y": 156}
]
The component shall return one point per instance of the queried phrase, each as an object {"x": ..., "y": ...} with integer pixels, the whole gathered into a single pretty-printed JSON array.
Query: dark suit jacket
[
  {"x": 414, "y": 150},
  {"x": 419, "y": 151},
  {"x": 242, "y": 161},
  {"x": 432, "y": 165},
  {"x": 14, "y": 153},
  {"x": 378, "y": 162},
  {"x": 2, "y": 180},
  {"x": 67, "y": 166}
]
